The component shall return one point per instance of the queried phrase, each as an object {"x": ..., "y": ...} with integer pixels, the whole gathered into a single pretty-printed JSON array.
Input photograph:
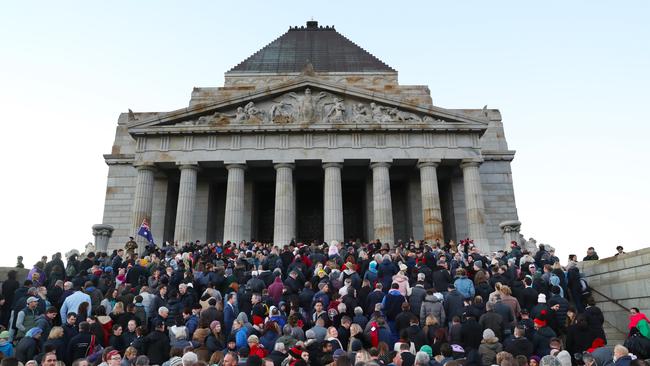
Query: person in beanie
[
  {"x": 543, "y": 335},
  {"x": 28, "y": 347},
  {"x": 489, "y": 347}
]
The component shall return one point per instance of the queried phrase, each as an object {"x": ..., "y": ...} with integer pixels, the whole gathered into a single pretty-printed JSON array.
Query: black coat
[
  {"x": 78, "y": 346},
  {"x": 471, "y": 334},
  {"x": 156, "y": 347},
  {"x": 519, "y": 346},
  {"x": 441, "y": 279},
  {"x": 416, "y": 335},
  {"x": 579, "y": 338},
  {"x": 528, "y": 298},
  {"x": 26, "y": 349}
]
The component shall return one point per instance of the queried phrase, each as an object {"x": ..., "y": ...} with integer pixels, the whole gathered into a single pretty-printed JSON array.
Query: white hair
[
  {"x": 421, "y": 358},
  {"x": 279, "y": 346}
]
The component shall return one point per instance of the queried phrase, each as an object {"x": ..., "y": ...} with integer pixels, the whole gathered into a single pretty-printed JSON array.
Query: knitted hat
[
  {"x": 34, "y": 332},
  {"x": 175, "y": 361},
  {"x": 338, "y": 353},
  {"x": 541, "y": 298},
  {"x": 540, "y": 321},
  {"x": 427, "y": 349},
  {"x": 402, "y": 267},
  {"x": 549, "y": 361},
  {"x": 564, "y": 357},
  {"x": 478, "y": 264},
  {"x": 295, "y": 352},
  {"x": 488, "y": 334},
  {"x": 4, "y": 335},
  {"x": 214, "y": 324}
]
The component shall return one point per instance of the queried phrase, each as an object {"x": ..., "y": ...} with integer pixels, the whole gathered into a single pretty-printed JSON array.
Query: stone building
[{"x": 311, "y": 138}]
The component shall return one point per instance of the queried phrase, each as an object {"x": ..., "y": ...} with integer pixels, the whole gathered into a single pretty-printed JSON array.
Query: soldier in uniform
[{"x": 131, "y": 246}]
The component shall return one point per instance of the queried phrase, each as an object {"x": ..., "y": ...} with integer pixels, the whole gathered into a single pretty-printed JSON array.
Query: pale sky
[{"x": 570, "y": 78}]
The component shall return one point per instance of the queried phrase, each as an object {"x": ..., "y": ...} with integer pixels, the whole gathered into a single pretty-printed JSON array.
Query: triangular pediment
[{"x": 305, "y": 102}]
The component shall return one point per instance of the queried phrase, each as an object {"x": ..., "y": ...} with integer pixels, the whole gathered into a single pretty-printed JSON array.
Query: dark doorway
[
  {"x": 354, "y": 194},
  {"x": 309, "y": 213},
  {"x": 265, "y": 209},
  {"x": 170, "y": 211}
]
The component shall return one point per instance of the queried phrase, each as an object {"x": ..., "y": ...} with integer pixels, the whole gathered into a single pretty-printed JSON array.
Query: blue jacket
[
  {"x": 241, "y": 337},
  {"x": 465, "y": 286}
]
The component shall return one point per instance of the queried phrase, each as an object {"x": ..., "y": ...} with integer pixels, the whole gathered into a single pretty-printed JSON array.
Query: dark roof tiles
[{"x": 322, "y": 48}]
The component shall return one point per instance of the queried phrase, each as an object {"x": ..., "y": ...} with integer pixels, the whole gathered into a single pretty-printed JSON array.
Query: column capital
[
  {"x": 332, "y": 165},
  {"x": 284, "y": 165},
  {"x": 425, "y": 163},
  {"x": 380, "y": 164},
  {"x": 235, "y": 166},
  {"x": 144, "y": 166},
  {"x": 188, "y": 165},
  {"x": 470, "y": 163}
]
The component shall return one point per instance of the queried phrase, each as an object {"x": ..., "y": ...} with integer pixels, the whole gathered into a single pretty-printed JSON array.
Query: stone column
[
  {"x": 381, "y": 203},
  {"x": 102, "y": 234},
  {"x": 510, "y": 231},
  {"x": 430, "y": 198},
  {"x": 333, "y": 203},
  {"x": 285, "y": 214},
  {"x": 186, "y": 199},
  {"x": 474, "y": 205},
  {"x": 142, "y": 202},
  {"x": 233, "y": 226}
]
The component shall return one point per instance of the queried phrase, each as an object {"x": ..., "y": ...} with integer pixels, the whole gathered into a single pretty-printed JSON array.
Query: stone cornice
[
  {"x": 119, "y": 159},
  {"x": 316, "y": 127},
  {"x": 498, "y": 155}
]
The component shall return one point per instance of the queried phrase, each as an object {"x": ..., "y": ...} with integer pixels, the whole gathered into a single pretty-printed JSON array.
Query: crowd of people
[{"x": 350, "y": 303}]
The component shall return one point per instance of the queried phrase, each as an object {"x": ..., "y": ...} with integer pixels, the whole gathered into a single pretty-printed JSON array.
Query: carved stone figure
[
  {"x": 307, "y": 104},
  {"x": 379, "y": 113},
  {"x": 281, "y": 112},
  {"x": 429, "y": 119},
  {"x": 253, "y": 113},
  {"x": 241, "y": 116},
  {"x": 337, "y": 112},
  {"x": 360, "y": 113}
]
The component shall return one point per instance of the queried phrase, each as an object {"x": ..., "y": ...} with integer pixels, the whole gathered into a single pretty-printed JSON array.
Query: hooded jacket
[
  {"x": 432, "y": 306},
  {"x": 541, "y": 341},
  {"x": 488, "y": 351},
  {"x": 275, "y": 290}
]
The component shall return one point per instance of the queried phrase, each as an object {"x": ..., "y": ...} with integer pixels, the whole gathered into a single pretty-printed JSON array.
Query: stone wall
[
  {"x": 624, "y": 278},
  {"x": 118, "y": 205},
  {"x": 499, "y": 199}
]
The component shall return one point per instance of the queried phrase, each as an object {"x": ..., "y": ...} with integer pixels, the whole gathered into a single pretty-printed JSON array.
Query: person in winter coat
[
  {"x": 55, "y": 341},
  {"x": 6, "y": 347},
  {"x": 418, "y": 293},
  {"x": 392, "y": 303},
  {"x": 402, "y": 280},
  {"x": 28, "y": 347},
  {"x": 275, "y": 290},
  {"x": 621, "y": 356},
  {"x": 542, "y": 336},
  {"x": 579, "y": 336},
  {"x": 518, "y": 344},
  {"x": 432, "y": 305},
  {"x": 471, "y": 334},
  {"x": 453, "y": 303},
  {"x": 79, "y": 346},
  {"x": 27, "y": 317},
  {"x": 441, "y": 276},
  {"x": 385, "y": 271},
  {"x": 489, "y": 347},
  {"x": 463, "y": 284},
  {"x": 156, "y": 344}
]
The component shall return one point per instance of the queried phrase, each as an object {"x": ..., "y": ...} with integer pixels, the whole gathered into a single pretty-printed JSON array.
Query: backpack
[{"x": 70, "y": 271}]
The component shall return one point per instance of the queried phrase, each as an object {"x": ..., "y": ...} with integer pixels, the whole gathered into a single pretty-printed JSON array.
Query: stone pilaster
[
  {"x": 430, "y": 198},
  {"x": 102, "y": 234},
  {"x": 333, "y": 203},
  {"x": 285, "y": 214},
  {"x": 142, "y": 202},
  {"x": 381, "y": 202},
  {"x": 233, "y": 227},
  {"x": 474, "y": 205},
  {"x": 186, "y": 200}
]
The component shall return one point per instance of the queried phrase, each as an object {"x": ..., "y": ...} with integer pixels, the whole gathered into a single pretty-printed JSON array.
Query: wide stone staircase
[{"x": 618, "y": 284}]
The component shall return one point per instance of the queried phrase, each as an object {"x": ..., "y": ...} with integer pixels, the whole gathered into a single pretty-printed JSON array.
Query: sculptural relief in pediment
[{"x": 307, "y": 107}]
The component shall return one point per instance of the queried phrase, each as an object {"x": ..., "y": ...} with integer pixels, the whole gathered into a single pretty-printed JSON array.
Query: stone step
[{"x": 614, "y": 336}]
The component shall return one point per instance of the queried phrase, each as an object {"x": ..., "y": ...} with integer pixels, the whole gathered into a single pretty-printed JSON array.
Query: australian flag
[{"x": 145, "y": 231}]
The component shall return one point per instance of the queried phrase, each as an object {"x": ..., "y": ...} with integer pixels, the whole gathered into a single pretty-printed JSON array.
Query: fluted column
[
  {"x": 233, "y": 227},
  {"x": 333, "y": 203},
  {"x": 382, "y": 205},
  {"x": 142, "y": 202},
  {"x": 474, "y": 205},
  {"x": 431, "y": 213},
  {"x": 285, "y": 215},
  {"x": 186, "y": 200}
]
